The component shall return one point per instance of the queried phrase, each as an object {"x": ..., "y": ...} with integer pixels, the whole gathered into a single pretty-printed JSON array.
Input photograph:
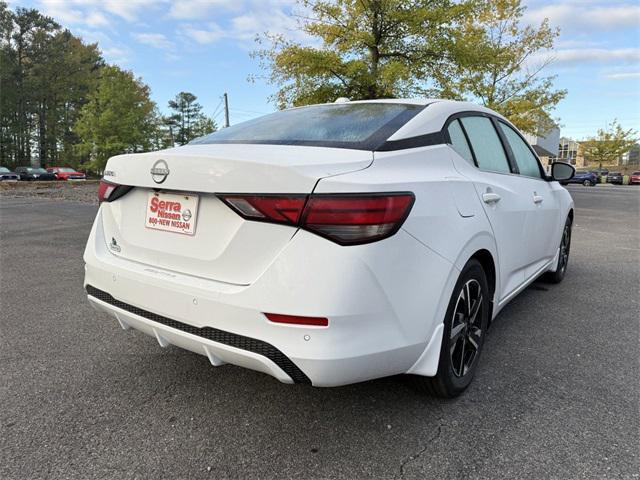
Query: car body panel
[
  {"x": 31, "y": 174},
  {"x": 62, "y": 174},
  {"x": 582, "y": 177},
  {"x": 7, "y": 175},
  {"x": 226, "y": 247},
  {"x": 385, "y": 301}
]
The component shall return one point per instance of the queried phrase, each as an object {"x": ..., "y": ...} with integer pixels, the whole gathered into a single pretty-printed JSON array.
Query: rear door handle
[
  {"x": 537, "y": 199},
  {"x": 491, "y": 198}
]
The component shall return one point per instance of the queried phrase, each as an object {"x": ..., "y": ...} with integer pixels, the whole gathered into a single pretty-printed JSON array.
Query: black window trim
[
  {"x": 513, "y": 166},
  {"x": 543, "y": 175},
  {"x": 513, "y": 169}
]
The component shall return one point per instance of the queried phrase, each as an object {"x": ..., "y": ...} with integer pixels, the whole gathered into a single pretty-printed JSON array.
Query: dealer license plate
[{"x": 172, "y": 212}]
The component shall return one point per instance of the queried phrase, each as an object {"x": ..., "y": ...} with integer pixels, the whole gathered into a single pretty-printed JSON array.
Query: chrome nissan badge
[{"x": 160, "y": 171}]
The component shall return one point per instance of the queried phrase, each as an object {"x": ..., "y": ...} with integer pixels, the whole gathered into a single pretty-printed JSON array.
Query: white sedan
[{"x": 332, "y": 244}]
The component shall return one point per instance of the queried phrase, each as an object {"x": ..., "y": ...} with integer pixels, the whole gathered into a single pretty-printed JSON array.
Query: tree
[
  {"x": 45, "y": 76},
  {"x": 118, "y": 118},
  {"x": 188, "y": 122},
  {"x": 609, "y": 144},
  {"x": 495, "y": 66},
  {"x": 368, "y": 49}
]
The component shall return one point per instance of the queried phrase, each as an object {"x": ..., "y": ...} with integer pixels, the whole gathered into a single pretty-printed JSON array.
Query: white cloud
[
  {"x": 117, "y": 55},
  {"x": 127, "y": 9},
  {"x": 200, "y": 9},
  {"x": 203, "y": 35},
  {"x": 586, "y": 16},
  {"x": 623, "y": 76},
  {"x": 601, "y": 55},
  {"x": 96, "y": 19},
  {"x": 156, "y": 40},
  {"x": 94, "y": 12}
]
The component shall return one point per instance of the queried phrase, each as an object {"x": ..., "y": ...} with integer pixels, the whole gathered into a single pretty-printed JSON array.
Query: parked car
[
  {"x": 634, "y": 178},
  {"x": 33, "y": 173},
  {"x": 615, "y": 177},
  {"x": 600, "y": 173},
  {"x": 66, "y": 173},
  {"x": 7, "y": 175},
  {"x": 588, "y": 179},
  {"x": 334, "y": 243}
]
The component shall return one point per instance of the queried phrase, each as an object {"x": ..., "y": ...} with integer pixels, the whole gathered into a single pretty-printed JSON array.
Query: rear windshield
[
  {"x": 4, "y": 170},
  {"x": 360, "y": 126}
]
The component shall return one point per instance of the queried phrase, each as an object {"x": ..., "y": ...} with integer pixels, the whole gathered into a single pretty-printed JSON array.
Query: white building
[{"x": 545, "y": 146}]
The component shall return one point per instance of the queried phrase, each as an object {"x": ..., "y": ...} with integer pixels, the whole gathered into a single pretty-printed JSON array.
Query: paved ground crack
[{"x": 414, "y": 456}]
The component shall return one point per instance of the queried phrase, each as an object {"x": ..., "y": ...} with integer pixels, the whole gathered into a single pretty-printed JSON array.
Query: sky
[{"x": 204, "y": 47}]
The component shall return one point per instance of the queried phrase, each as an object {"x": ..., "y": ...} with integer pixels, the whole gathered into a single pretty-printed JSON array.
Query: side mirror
[{"x": 562, "y": 172}]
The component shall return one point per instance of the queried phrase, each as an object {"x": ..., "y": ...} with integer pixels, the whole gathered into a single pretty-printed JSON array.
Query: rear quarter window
[{"x": 486, "y": 144}]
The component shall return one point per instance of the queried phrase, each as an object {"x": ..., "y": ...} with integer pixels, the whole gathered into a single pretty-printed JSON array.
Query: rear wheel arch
[{"x": 489, "y": 266}]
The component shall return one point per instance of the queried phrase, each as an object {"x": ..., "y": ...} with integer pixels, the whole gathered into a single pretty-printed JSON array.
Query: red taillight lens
[
  {"x": 108, "y": 192},
  {"x": 347, "y": 219},
  {"x": 105, "y": 189},
  {"x": 296, "y": 320},
  {"x": 267, "y": 208},
  {"x": 354, "y": 219}
]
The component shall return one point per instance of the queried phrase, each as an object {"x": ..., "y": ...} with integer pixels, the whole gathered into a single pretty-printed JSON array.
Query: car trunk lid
[{"x": 223, "y": 246}]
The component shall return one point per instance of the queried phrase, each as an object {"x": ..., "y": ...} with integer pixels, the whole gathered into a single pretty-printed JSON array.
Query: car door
[
  {"x": 503, "y": 195},
  {"x": 544, "y": 223}
]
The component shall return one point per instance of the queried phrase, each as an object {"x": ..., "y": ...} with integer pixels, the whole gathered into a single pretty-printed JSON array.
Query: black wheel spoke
[
  {"x": 462, "y": 355},
  {"x": 465, "y": 336},
  {"x": 467, "y": 298},
  {"x": 475, "y": 309},
  {"x": 456, "y": 332},
  {"x": 474, "y": 336}
]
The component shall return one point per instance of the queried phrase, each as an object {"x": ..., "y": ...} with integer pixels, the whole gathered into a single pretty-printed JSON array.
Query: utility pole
[{"x": 226, "y": 110}]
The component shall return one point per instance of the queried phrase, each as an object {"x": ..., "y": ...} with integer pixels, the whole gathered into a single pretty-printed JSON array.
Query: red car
[
  {"x": 634, "y": 178},
  {"x": 66, "y": 173}
]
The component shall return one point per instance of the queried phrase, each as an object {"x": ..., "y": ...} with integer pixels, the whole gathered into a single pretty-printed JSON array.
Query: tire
[
  {"x": 563, "y": 257},
  {"x": 587, "y": 183},
  {"x": 458, "y": 356}
]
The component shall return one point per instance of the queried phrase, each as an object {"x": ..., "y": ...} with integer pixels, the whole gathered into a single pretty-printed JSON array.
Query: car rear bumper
[{"x": 383, "y": 302}]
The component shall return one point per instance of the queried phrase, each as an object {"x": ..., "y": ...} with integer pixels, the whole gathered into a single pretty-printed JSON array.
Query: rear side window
[
  {"x": 525, "y": 159},
  {"x": 459, "y": 141},
  {"x": 361, "y": 126},
  {"x": 486, "y": 144}
]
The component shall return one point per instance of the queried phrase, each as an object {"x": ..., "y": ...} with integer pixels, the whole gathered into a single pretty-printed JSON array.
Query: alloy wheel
[
  {"x": 466, "y": 328},
  {"x": 565, "y": 246}
]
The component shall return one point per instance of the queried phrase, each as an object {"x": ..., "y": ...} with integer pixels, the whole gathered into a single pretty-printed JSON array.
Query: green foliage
[
  {"x": 368, "y": 49},
  {"x": 40, "y": 100},
  {"x": 187, "y": 122},
  {"x": 609, "y": 144},
  {"x": 494, "y": 65},
  {"x": 118, "y": 118},
  {"x": 468, "y": 49}
]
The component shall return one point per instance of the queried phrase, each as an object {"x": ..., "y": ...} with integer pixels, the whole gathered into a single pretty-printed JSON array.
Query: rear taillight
[
  {"x": 268, "y": 208},
  {"x": 347, "y": 219},
  {"x": 354, "y": 219},
  {"x": 108, "y": 192},
  {"x": 105, "y": 189}
]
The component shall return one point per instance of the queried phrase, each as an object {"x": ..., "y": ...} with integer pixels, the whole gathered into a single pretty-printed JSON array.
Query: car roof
[{"x": 432, "y": 118}]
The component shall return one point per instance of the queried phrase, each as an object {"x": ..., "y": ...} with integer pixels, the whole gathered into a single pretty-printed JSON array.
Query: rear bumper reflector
[
  {"x": 297, "y": 320},
  {"x": 220, "y": 336}
]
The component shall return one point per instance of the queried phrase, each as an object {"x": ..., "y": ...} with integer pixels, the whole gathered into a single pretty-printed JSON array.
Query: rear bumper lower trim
[{"x": 220, "y": 336}]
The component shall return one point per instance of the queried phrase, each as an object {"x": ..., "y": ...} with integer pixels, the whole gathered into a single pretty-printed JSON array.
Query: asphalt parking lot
[{"x": 556, "y": 396}]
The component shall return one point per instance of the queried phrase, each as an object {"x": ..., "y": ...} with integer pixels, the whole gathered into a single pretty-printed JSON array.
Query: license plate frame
[{"x": 164, "y": 215}]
